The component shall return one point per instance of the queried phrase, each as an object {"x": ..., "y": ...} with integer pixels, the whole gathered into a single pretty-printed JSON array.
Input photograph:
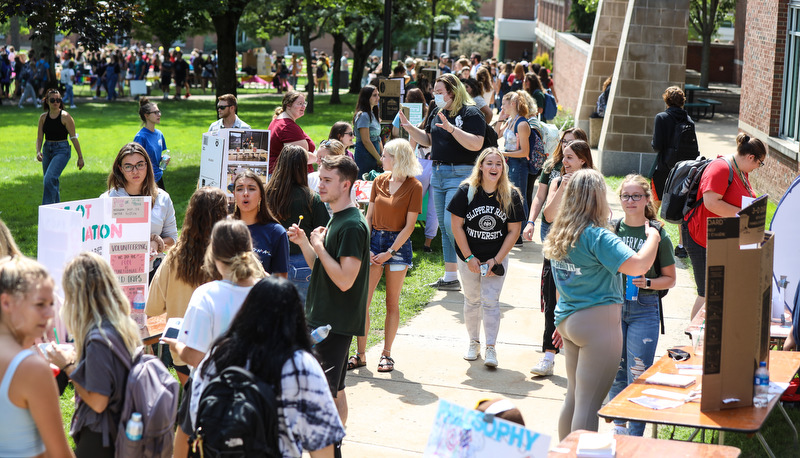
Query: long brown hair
[
  {"x": 291, "y": 170},
  {"x": 206, "y": 206},
  {"x": 117, "y": 180},
  {"x": 558, "y": 154},
  {"x": 264, "y": 214}
]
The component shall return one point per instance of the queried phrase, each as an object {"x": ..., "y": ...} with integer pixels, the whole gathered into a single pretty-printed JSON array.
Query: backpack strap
[{"x": 700, "y": 200}]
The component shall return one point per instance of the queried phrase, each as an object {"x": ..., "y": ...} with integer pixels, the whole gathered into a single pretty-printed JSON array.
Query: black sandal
[
  {"x": 386, "y": 364},
  {"x": 356, "y": 361}
]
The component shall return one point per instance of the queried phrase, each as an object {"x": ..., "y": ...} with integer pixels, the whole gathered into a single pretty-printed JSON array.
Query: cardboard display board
[
  {"x": 738, "y": 306},
  {"x": 461, "y": 432},
  {"x": 391, "y": 92},
  {"x": 116, "y": 228},
  {"x": 226, "y": 153}
]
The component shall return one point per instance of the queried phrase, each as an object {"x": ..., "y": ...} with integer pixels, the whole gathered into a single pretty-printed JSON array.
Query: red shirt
[
  {"x": 282, "y": 131},
  {"x": 715, "y": 178}
]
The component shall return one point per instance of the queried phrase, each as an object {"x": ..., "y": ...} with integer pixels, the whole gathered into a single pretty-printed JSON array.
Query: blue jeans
[
  {"x": 445, "y": 181},
  {"x": 364, "y": 160},
  {"x": 55, "y": 156},
  {"x": 69, "y": 95},
  {"x": 111, "y": 87},
  {"x": 518, "y": 174},
  {"x": 640, "y": 327},
  {"x": 380, "y": 241},
  {"x": 544, "y": 229},
  {"x": 299, "y": 274},
  {"x": 431, "y": 222}
]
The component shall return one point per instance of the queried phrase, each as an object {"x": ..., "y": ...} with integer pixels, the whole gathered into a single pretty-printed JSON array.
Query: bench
[
  {"x": 713, "y": 103},
  {"x": 693, "y": 109}
]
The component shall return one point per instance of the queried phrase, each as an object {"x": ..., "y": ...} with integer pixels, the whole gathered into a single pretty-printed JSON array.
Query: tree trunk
[
  {"x": 14, "y": 32},
  {"x": 225, "y": 26},
  {"x": 305, "y": 40},
  {"x": 433, "y": 30},
  {"x": 45, "y": 43},
  {"x": 704, "y": 62},
  {"x": 338, "y": 44},
  {"x": 359, "y": 62}
]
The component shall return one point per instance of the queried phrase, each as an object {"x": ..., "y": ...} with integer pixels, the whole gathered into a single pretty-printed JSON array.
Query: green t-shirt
[
  {"x": 313, "y": 210},
  {"x": 345, "y": 311},
  {"x": 545, "y": 179},
  {"x": 635, "y": 237}
]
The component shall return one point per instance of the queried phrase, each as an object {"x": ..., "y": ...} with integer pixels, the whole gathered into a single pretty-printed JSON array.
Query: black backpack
[
  {"x": 237, "y": 417},
  {"x": 489, "y": 138},
  {"x": 680, "y": 190},
  {"x": 656, "y": 266},
  {"x": 683, "y": 146}
]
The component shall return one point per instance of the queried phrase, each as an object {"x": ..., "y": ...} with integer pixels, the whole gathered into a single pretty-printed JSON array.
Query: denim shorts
[{"x": 381, "y": 241}]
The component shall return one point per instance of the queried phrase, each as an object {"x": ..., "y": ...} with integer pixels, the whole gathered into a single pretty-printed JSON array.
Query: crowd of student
[{"x": 304, "y": 225}]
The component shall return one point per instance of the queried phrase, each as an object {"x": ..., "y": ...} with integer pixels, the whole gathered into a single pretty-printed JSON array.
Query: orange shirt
[{"x": 389, "y": 211}]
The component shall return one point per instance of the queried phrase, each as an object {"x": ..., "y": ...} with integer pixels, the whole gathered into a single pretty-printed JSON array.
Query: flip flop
[
  {"x": 355, "y": 361},
  {"x": 386, "y": 364}
]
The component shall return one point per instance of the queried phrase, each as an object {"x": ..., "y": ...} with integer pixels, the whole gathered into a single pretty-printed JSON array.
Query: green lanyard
[{"x": 742, "y": 177}]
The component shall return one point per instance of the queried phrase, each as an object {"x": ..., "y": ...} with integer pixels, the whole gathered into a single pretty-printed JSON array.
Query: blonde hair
[
  {"x": 454, "y": 86},
  {"x": 405, "y": 163},
  {"x": 635, "y": 178},
  {"x": 582, "y": 205},
  {"x": 18, "y": 275},
  {"x": 334, "y": 147},
  {"x": 504, "y": 186},
  {"x": 522, "y": 102},
  {"x": 231, "y": 245},
  {"x": 92, "y": 296},
  {"x": 8, "y": 247}
]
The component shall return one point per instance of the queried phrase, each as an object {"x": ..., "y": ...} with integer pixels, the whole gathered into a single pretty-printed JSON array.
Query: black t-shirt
[
  {"x": 485, "y": 223},
  {"x": 444, "y": 147}
]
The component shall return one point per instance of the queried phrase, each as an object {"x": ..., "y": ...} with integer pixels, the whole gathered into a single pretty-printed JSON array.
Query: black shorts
[
  {"x": 183, "y": 418},
  {"x": 332, "y": 356},
  {"x": 698, "y": 256}
]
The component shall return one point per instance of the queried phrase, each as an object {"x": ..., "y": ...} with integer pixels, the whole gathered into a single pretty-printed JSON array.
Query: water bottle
[
  {"x": 701, "y": 340},
  {"x": 761, "y": 386},
  {"x": 137, "y": 312},
  {"x": 135, "y": 427},
  {"x": 631, "y": 290},
  {"x": 319, "y": 334},
  {"x": 162, "y": 164}
]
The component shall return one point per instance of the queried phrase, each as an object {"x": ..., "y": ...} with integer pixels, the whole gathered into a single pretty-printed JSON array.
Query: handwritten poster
[
  {"x": 117, "y": 229},
  {"x": 461, "y": 432},
  {"x": 414, "y": 112}
]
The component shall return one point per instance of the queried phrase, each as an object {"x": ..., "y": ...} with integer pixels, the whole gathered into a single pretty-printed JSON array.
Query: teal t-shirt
[
  {"x": 588, "y": 276},
  {"x": 371, "y": 122},
  {"x": 345, "y": 311},
  {"x": 635, "y": 237}
]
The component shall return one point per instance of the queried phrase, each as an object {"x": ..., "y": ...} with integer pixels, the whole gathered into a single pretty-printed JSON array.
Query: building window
[{"x": 790, "y": 110}]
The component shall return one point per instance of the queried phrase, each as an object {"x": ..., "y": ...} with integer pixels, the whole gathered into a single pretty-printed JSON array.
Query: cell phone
[{"x": 173, "y": 328}]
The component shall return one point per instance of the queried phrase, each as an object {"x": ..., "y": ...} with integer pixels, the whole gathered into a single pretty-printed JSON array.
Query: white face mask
[{"x": 439, "y": 99}]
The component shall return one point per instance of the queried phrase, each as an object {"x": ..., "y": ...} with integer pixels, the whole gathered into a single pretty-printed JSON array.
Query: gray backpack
[{"x": 153, "y": 392}]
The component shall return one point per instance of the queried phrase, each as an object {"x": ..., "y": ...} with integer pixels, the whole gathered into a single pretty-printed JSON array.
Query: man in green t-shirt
[{"x": 339, "y": 256}]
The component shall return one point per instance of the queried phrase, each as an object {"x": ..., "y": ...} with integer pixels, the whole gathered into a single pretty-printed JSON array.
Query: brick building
[{"x": 770, "y": 72}]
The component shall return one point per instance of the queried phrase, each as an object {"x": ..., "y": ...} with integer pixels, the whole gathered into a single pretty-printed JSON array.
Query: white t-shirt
[
  {"x": 67, "y": 75},
  {"x": 210, "y": 312}
]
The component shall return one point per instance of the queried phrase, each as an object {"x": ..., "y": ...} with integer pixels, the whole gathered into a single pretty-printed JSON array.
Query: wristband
[
  {"x": 532, "y": 222},
  {"x": 647, "y": 283},
  {"x": 67, "y": 365},
  {"x": 469, "y": 257}
]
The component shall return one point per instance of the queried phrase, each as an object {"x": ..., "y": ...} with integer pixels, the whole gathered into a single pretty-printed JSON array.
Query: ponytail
[{"x": 245, "y": 265}]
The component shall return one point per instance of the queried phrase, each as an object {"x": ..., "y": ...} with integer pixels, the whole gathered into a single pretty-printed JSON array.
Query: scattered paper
[
  {"x": 596, "y": 445},
  {"x": 665, "y": 394},
  {"x": 680, "y": 381},
  {"x": 655, "y": 403},
  {"x": 777, "y": 387},
  {"x": 730, "y": 400},
  {"x": 689, "y": 366}
]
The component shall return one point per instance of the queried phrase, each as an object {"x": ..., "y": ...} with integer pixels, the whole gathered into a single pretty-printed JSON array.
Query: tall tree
[
  {"x": 94, "y": 22},
  {"x": 169, "y": 21},
  {"x": 705, "y": 17}
]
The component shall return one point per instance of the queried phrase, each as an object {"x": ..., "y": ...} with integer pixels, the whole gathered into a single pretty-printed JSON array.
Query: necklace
[{"x": 741, "y": 176}]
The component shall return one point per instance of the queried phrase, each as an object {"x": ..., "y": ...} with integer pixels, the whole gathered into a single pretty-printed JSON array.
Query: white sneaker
[
  {"x": 491, "y": 356},
  {"x": 474, "y": 351},
  {"x": 73, "y": 106},
  {"x": 620, "y": 430},
  {"x": 544, "y": 367}
]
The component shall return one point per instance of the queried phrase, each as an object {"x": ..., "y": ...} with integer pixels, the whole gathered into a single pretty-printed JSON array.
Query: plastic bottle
[
  {"x": 631, "y": 290},
  {"x": 761, "y": 386},
  {"x": 135, "y": 427},
  {"x": 701, "y": 340},
  {"x": 319, "y": 334},
  {"x": 137, "y": 312}
]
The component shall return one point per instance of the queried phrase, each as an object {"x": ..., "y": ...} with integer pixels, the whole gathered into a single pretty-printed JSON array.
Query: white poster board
[
  {"x": 138, "y": 87},
  {"x": 229, "y": 151},
  {"x": 116, "y": 228},
  {"x": 461, "y": 432},
  {"x": 414, "y": 112}
]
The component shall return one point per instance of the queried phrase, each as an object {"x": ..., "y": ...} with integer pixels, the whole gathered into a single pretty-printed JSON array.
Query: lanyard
[{"x": 742, "y": 177}]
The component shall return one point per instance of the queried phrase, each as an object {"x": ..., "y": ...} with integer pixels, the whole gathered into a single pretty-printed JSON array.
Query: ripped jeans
[{"x": 640, "y": 328}]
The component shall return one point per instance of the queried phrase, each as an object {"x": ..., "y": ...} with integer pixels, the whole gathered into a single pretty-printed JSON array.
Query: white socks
[{"x": 450, "y": 276}]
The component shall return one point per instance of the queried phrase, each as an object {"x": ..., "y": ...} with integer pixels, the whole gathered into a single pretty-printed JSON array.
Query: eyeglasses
[
  {"x": 633, "y": 197},
  {"x": 760, "y": 163},
  {"x": 677, "y": 354},
  {"x": 158, "y": 112},
  {"x": 54, "y": 100},
  {"x": 351, "y": 133},
  {"x": 304, "y": 104},
  {"x": 222, "y": 107},
  {"x": 128, "y": 168}
]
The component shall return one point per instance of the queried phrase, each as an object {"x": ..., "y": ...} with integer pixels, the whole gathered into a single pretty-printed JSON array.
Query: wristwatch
[
  {"x": 392, "y": 252},
  {"x": 647, "y": 283}
]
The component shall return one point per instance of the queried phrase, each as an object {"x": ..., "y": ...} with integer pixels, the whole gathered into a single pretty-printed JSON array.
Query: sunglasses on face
[
  {"x": 222, "y": 107},
  {"x": 157, "y": 112},
  {"x": 54, "y": 100},
  {"x": 352, "y": 134}
]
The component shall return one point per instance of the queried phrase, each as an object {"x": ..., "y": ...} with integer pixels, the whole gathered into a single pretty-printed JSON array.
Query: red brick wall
[
  {"x": 762, "y": 85},
  {"x": 568, "y": 72},
  {"x": 518, "y": 9},
  {"x": 721, "y": 68}
]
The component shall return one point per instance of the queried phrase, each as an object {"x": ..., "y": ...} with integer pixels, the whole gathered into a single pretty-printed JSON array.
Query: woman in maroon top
[{"x": 283, "y": 130}]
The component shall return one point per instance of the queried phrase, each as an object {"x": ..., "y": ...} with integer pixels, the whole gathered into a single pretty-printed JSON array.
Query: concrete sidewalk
[{"x": 391, "y": 414}]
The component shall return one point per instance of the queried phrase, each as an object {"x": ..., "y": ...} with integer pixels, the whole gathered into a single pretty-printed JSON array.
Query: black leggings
[
  {"x": 89, "y": 444},
  {"x": 548, "y": 298}
]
